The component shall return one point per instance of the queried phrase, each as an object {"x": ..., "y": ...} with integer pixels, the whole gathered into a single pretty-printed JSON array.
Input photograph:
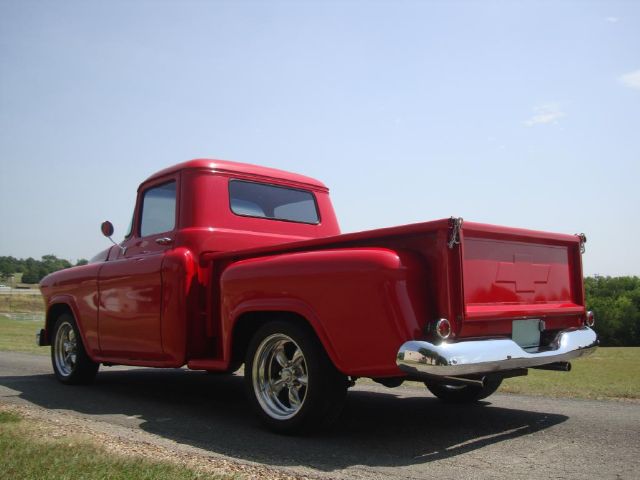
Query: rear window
[{"x": 260, "y": 200}]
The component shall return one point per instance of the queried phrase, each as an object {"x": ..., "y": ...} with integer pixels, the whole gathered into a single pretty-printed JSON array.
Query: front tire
[
  {"x": 290, "y": 381},
  {"x": 70, "y": 361},
  {"x": 464, "y": 393}
]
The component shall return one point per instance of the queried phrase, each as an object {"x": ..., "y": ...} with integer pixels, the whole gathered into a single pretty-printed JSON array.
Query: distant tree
[
  {"x": 616, "y": 304},
  {"x": 53, "y": 263},
  {"x": 9, "y": 266},
  {"x": 82, "y": 261},
  {"x": 33, "y": 270},
  {"x": 6, "y": 266},
  {"x": 31, "y": 276}
]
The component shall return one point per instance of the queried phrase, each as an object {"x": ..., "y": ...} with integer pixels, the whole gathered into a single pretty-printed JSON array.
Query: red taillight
[
  {"x": 590, "y": 319},
  {"x": 443, "y": 328}
]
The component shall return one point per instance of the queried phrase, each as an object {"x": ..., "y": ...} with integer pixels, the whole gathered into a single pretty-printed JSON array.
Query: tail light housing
[
  {"x": 590, "y": 319},
  {"x": 443, "y": 328}
]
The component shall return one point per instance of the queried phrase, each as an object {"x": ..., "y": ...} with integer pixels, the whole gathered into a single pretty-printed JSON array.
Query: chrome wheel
[
  {"x": 279, "y": 376},
  {"x": 65, "y": 349}
]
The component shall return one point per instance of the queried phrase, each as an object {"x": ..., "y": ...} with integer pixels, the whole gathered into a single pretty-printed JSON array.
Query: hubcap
[
  {"x": 65, "y": 349},
  {"x": 280, "y": 376}
]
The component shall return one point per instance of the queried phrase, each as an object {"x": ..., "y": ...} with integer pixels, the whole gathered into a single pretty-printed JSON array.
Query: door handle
[{"x": 164, "y": 241}]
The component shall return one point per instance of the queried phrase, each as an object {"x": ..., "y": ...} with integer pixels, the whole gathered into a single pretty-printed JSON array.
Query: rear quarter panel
[{"x": 363, "y": 303}]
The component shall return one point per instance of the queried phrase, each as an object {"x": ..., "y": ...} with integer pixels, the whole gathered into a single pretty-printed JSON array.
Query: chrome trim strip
[{"x": 493, "y": 355}]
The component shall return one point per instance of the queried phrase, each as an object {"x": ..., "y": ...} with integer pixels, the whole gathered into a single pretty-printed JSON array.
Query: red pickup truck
[{"x": 228, "y": 264}]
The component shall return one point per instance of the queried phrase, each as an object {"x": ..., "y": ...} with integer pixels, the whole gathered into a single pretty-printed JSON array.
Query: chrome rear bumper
[{"x": 494, "y": 355}]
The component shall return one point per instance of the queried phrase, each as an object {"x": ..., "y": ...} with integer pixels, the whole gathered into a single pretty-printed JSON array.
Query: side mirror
[
  {"x": 107, "y": 231},
  {"x": 107, "y": 228}
]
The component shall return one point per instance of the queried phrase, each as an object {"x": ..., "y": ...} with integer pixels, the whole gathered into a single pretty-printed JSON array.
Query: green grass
[
  {"x": 9, "y": 417},
  {"x": 611, "y": 372},
  {"x": 20, "y": 335},
  {"x": 26, "y": 303},
  {"x": 26, "y": 456}
]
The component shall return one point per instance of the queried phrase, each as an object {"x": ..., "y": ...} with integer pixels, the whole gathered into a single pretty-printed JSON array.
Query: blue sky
[{"x": 517, "y": 113}]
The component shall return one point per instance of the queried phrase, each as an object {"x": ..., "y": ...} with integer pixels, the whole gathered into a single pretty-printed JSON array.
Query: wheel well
[
  {"x": 249, "y": 323},
  {"x": 52, "y": 315}
]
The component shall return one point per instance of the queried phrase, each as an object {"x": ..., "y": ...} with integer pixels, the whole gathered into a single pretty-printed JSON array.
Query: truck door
[{"x": 130, "y": 284}]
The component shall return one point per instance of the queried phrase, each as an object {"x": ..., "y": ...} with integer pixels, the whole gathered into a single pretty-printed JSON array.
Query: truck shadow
[{"x": 210, "y": 412}]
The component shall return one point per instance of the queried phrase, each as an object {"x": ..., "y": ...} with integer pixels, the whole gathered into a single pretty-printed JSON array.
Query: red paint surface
[
  {"x": 507, "y": 275},
  {"x": 364, "y": 294}
]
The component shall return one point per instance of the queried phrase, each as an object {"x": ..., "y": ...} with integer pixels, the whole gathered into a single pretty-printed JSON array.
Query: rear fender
[
  {"x": 362, "y": 303},
  {"x": 275, "y": 306}
]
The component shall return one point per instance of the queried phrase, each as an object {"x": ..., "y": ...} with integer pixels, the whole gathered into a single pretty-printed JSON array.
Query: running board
[{"x": 209, "y": 364}]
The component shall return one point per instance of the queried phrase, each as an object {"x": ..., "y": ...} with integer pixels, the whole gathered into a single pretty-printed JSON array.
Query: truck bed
[{"x": 490, "y": 277}]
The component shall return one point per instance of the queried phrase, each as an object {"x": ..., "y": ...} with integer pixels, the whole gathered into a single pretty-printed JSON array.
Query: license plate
[{"x": 526, "y": 333}]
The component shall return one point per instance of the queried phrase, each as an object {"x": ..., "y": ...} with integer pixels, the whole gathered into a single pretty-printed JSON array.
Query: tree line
[
  {"x": 615, "y": 301},
  {"x": 34, "y": 270}
]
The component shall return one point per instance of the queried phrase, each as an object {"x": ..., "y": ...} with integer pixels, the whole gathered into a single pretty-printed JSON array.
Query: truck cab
[{"x": 181, "y": 212}]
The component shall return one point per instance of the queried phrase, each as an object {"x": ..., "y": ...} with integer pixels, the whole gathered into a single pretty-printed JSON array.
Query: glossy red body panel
[
  {"x": 208, "y": 224},
  {"x": 362, "y": 302},
  {"x": 77, "y": 288},
  {"x": 180, "y": 303},
  {"x": 364, "y": 293},
  {"x": 130, "y": 290},
  {"x": 131, "y": 296},
  {"x": 241, "y": 170},
  {"x": 512, "y": 273}
]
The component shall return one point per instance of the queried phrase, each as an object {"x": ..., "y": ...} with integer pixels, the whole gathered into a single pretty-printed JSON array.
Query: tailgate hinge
[
  {"x": 455, "y": 225},
  {"x": 583, "y": 240}
]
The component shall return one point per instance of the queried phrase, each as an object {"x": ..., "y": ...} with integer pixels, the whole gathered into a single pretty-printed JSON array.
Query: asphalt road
[{"x": 384, "y": 433}]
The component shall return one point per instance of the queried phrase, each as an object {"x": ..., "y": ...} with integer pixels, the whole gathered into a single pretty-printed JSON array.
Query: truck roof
[{"x": 245, "y": 169}]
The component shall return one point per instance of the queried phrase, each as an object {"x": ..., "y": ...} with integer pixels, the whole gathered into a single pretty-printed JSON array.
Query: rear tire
[
  {"x": 290, "y": 381},
  {"x": 464, "y": 393},
  {"x": 70, "y": 361}
]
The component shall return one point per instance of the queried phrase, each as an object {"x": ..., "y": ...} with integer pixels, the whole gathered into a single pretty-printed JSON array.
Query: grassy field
[
  {"x": 20, "y": 335},
  {"x": 612, "y": 372},
  {"x": 26, "y": 303},
  {"x": 26, "y": 455}
]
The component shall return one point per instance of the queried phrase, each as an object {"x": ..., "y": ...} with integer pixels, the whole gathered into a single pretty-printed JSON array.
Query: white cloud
[
  {"x": 631, "y": 79},
  {"x": 544, "y": 114},
  {"x": 612, "y": 19}
]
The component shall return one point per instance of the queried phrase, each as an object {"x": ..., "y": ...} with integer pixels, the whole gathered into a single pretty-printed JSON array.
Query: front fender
[
  {"x": 77, "y": 289},
  {"x": 89, "y": 335}
]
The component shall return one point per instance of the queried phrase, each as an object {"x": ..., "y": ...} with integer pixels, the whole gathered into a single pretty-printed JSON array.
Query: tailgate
[{"x": 514, "y": 273}]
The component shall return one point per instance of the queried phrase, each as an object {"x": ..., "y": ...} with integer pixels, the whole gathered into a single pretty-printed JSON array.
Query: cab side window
[{"x": 158, "y": 209}]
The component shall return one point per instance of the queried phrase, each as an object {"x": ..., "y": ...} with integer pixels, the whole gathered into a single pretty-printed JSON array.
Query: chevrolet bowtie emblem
[{"x": 523, "y": 273}]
